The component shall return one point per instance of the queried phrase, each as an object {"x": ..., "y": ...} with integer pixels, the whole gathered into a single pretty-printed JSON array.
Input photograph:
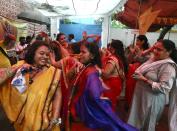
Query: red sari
[
  {"x": 80, "y": 126},
  {"x": 87, "y": 105},
  {"x": 114, "y": 83},
  {"x": 130, "y": 82},
  {"x": 68, "y": 63}
]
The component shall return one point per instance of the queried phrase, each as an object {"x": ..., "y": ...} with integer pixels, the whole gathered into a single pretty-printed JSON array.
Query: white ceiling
[{"x": 73, "y": 7}]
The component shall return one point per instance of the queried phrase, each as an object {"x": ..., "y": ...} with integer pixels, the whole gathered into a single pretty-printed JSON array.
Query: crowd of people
[{"x": 55, "y": 84}]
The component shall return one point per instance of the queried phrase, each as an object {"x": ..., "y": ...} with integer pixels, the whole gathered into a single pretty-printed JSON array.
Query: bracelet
[
  {"x": 9, "y": 72},
  {"x": 100, "y": 72},
  {"x": 55, "y": 121},
  {"x": 148, "y": 81}
]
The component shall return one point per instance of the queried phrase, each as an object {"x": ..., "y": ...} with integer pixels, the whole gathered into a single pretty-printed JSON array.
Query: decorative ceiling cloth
[
  {"x": 133, "y": 9},
  {"x": 11, "y": 8}
]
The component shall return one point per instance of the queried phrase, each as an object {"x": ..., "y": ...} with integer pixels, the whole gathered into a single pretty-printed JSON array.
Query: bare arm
[
  {"x": 95, "y": 37},
  {"x": 57, "y": 103},
  {"x": 56, "y": 64},
  {"x": 108, "y": 69},
  {"x": 6, "y": 73},
  {"x": 56, "y": 107}
]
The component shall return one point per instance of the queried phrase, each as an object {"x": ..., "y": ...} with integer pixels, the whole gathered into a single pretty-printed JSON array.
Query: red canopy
[{"x": 167, "y": 16}]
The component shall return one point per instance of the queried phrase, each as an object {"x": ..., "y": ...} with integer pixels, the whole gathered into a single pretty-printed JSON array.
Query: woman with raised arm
[
  {"x": 86, "y": 104},
  {"x": 68, "y": 65},
  {"x": 155, "y": 78},
  {"x": 28, "y": 91},
  {"x": 114, "y": 70},
  {"x": 136, "y": 55}
]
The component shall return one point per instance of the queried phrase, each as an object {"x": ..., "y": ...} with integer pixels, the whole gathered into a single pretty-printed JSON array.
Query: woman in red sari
[
  {"x": 136, "y": 56},
  {"x": 87, "y": 106},
  {"x": 68, "y": 62},
  {"x": 113, "y": 71}
]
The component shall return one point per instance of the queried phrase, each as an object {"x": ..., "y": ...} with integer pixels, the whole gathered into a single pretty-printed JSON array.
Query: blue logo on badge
[{"x": 18, "y": 82}]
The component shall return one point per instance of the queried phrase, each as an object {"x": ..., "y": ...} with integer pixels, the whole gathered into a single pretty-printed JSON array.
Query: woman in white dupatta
[{"x": 155, "y": 79}]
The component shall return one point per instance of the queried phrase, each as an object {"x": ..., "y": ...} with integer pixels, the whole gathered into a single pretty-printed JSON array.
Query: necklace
[{"x": 33, "y": 73}]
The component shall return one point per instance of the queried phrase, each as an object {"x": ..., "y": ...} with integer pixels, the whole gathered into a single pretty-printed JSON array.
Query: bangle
[
  {"x": 56, "y": 121},
  {"x": 148, "y": 81},
  {"x": 100, "y": 72},
  {"x": 9, "y": 72}
]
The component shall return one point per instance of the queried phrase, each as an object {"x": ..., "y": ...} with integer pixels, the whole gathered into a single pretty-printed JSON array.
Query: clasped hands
[{"x": 139, "y": 76}]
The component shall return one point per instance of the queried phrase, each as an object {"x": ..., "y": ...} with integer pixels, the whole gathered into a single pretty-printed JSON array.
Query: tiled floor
[{"x": 162, "y": 126}]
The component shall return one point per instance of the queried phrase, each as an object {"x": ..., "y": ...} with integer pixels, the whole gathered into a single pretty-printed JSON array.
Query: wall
[
  {"x": 77, "y": 29},
  {"x": 127, "y": 35}
]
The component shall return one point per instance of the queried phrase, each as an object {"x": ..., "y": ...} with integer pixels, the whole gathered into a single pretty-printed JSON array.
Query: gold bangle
[
  {"x": 9, "y": 72},
  {"x": 56, "y": 121}
]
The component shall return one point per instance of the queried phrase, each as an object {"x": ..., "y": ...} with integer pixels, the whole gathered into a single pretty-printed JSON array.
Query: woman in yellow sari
[
  {"x": 28, "y": 91},
  {"x": 7, "y": 43}
]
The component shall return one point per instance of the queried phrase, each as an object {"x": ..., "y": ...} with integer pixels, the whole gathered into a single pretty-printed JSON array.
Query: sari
[
  {"x": 88, "y": 106},
  {"x": 130, "y": 83},
  {"x": 114, "y": 83},
  {"x": 4, "y": 61},
  {"x": 68, "y": 63},
  {"x": 31, "y": 110}
]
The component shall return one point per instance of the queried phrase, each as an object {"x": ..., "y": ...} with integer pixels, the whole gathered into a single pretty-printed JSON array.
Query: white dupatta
[{"x": 150, "y": 64}]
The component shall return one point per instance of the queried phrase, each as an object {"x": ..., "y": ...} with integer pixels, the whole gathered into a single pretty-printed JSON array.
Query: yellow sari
[
  {"x": 4, "y": 61},
  {"x": 31, "y": 110}
]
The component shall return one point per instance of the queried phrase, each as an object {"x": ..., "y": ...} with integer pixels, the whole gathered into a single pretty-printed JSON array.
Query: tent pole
[{"x": 138, "y": 15}]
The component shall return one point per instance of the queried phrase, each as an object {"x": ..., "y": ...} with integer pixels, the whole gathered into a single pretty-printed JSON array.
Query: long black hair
[
  {"x": 170, "y": 47},
  {"x": 94, "y": 50},
  {"x": 57, "y": 51},
  {"x": 145, "y": 44},
  {"x": 119, "y": 52}
]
